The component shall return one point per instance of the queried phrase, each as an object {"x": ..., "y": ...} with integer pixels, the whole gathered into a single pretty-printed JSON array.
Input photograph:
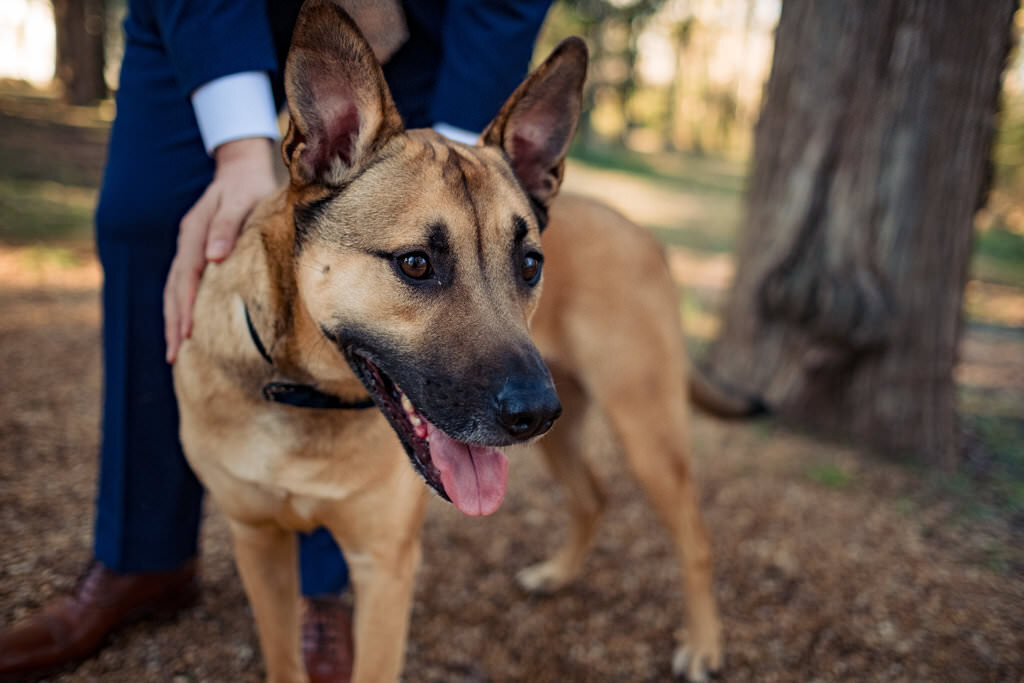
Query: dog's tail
[{"x": 720, "y": 400}]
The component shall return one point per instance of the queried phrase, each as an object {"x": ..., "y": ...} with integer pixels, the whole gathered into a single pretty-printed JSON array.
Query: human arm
[
  {"x": 244, "y": 176},
  {"x": 221, "y": 51}
]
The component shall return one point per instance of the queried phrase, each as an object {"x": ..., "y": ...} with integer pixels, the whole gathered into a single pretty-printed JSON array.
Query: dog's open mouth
[{"x": 473, "y": 477}]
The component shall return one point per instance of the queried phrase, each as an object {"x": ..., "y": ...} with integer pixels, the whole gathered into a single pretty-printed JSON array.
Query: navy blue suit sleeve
[
  {"x": 207, "y": 39},
  {"x": 486, "y": 53}
]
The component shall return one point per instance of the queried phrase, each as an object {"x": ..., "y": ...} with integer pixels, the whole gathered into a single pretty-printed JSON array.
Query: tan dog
[{"x": 402, "y": 268}]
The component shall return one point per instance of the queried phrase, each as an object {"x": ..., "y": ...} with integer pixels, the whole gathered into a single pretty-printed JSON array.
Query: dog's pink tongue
[{"x": 474, "y": 477}]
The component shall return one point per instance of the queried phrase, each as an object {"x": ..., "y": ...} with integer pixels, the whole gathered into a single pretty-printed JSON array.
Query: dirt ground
[{"x": 831, "y": 565}]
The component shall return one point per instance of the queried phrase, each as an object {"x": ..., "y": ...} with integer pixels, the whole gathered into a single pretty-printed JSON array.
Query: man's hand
[{"x": 244, "y": 176}]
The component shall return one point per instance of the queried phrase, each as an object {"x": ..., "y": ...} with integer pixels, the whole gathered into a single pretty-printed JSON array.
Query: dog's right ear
[
  {"x": 536, "y": 124},
  {"x": 341, "y": 109}
]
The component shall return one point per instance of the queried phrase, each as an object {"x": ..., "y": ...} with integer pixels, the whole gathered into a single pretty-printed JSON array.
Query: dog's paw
[
  {"x": 542, "y": 579},
  {"x": 697, "y": 662}
]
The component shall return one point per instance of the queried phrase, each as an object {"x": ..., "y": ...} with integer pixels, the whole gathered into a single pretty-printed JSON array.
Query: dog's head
[{"x": 420, "y": 259}]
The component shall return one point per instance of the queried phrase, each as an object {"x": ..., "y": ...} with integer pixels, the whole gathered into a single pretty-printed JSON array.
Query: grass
[
  {"x": 999, "y": 256},
  {"x": 1001, "y": 461},
  {"x": 42, "y": 256},
  {"x": 702, "y": 175},
  {"x": 33, "y": 211},
  {"x": 830, "y": 476},
  {"x": 700, "y": 323},
  {"x": 696, "y": 235},
  {"x": 988, "y": 488}
]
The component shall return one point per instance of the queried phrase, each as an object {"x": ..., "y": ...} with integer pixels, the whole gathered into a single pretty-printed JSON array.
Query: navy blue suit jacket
[
  {"x": 205, "y": 39},
  {"x": 463, "y": 59}
]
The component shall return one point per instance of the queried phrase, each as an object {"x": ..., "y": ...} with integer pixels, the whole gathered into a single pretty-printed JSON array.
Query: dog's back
[{"x": 608, "y": 296}]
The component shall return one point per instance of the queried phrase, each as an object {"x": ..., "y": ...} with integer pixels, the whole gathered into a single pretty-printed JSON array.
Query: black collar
[{"x": 300, "y": 395}]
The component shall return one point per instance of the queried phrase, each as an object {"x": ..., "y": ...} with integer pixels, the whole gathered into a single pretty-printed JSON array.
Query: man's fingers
[
  {"x": 188, "y": 298},
  {"x": 171, "y": 335},
  {"x": 179, "y": 297},
  {"x": 224, "y": 229},
  {"x": 195, "y": 223},
  {"x": 185, "y": 271},
  {"x": 209, "y": 230}
]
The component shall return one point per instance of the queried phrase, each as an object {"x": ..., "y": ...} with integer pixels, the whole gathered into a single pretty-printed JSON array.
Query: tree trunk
[
  {"x": 870, "y": 161},
  {"x": 80, "y": 26}
]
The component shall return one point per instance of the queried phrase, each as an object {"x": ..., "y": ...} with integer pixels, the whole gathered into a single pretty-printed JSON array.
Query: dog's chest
[{"x": 287, "y": 463}]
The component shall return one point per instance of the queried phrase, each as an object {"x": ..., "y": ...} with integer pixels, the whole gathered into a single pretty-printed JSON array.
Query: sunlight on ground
[
  {"x": 994, "y": 304},
  {"x": 642, "y": 200},
  {"x": 25, "y": 268},
  {"x": 991, "y": 361},
  {"x": 33, "y": 211},
  {"x": 699, "y": 323}
]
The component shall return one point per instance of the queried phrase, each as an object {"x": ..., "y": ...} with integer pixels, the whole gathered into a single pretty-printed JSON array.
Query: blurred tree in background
[
  {"x": 81, "y": 34},
  {"x": 871, "y": 160},
  {"x": 611, "y": 30},
  {"x": 669, "y": 75}
]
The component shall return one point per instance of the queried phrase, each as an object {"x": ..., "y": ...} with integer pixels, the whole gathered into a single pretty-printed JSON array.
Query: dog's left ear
[
  {"x": 536, "y": 124},
  {"x": 341, "y": 109}
]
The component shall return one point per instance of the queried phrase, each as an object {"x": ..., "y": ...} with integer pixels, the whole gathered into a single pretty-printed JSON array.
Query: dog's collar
[{"x": 299, "y": 395}]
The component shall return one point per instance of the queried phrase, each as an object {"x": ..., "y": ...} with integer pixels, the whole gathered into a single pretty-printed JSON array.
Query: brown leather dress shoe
[
  {"x": 327, "y": 640},
  {"x": 73, "y": 626}
]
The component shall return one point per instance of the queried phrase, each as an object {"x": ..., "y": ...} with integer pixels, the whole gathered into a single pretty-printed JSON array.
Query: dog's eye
[
  {"x": 415, "y": 265},
  {"x": 531, "y": 268}
]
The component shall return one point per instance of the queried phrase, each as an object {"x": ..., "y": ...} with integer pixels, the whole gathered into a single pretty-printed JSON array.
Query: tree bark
[
  {"x": 871, "y": 158},
  {"x": 80, "y": 27}
]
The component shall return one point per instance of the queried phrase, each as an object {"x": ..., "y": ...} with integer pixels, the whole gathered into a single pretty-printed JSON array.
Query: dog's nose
[{"x": 526, "y": 411}]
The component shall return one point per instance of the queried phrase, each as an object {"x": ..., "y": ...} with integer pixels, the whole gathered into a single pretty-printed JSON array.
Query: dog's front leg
[
  {"x": 380, "y": 535},
  {"x": 266, "y": 560},
  {"x": 383, "y": 599}
]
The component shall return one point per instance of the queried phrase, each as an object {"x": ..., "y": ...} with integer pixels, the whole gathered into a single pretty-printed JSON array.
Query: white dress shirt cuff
[
  {"x": 466, "y": 137},
  {"x": 235, "y": 106}
]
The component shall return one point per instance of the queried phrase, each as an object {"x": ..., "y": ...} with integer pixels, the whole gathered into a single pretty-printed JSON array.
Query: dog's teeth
[
  {"x": 415, "y": 419},
  {"x": 407, "y": 404}
]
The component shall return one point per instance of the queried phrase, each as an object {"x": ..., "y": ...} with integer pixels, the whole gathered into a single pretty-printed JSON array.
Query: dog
[{"x": 388, "y": 290}]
